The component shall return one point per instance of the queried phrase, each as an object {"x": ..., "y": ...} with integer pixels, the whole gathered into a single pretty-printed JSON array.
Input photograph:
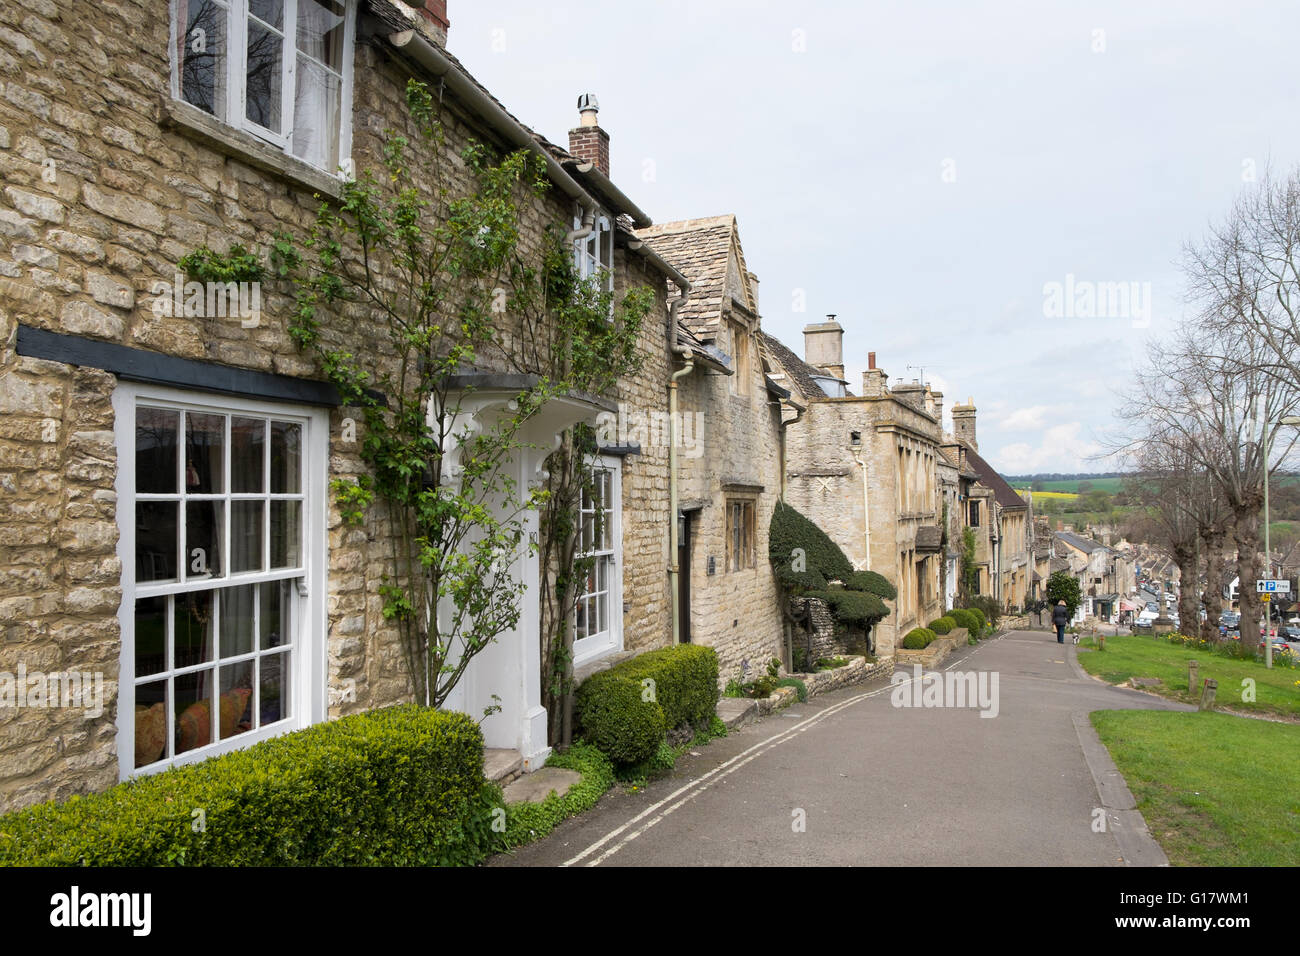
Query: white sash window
[
  {"x": 222, "y": 544},
  {"x": 278, "y": 69},
  {"x": 598, "y": 623}
]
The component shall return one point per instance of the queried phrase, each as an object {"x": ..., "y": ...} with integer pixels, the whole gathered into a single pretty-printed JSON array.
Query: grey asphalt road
[{"x": 850, "y": 779}]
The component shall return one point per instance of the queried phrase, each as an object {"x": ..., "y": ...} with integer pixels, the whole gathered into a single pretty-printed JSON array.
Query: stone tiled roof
[
  {"x": 701, "y": 249},
  {"x": 1080, "y": 543},
  {"x": 1058, "y": 564},
  {"x": 798, "y": 372},
  {"x": 1004, "y": 494}
]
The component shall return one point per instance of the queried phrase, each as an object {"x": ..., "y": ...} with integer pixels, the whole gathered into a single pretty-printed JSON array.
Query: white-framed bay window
[
  {"x": 280, "y": 70},
  {"x": 598, "y": 619},
  {"x": 221, "y": 513}
]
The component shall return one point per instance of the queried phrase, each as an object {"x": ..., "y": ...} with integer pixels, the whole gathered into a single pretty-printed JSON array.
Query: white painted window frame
[
  {"x": 602, "y": 263},
  {"x": 237, "y": 16},
  {"x": 308, "y": 681},
  {"x": 609, "y": 641}
]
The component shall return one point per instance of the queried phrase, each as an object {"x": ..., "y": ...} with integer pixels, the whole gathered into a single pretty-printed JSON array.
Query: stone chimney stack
[
  {"x": 963, "y": 423},
  {"x": 937, "y": 397},
  {"x": 823, "y": 346},
  {"x": 435, "y": 11},
  {"x": 588, "y": 142},
  {"x": 874, "y": 380}
]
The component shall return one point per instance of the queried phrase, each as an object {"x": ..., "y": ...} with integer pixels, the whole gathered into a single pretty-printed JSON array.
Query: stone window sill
[{"x": 198, "y": 125}]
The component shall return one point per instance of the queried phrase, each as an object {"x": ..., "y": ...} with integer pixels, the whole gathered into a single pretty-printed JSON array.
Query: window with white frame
[
  {"x": 278, "y": 69},
  {"x": 594, "y": 254},
  {"x": 219, "y": 521},
  {"x": 598, "y": 620}
]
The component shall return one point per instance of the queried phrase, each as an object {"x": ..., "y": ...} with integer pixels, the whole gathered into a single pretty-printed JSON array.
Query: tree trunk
[
  {"x": 1188, "y": 605},
  {"x": 1245, "y": 533},
  {"x": 1213, "y": 540}
]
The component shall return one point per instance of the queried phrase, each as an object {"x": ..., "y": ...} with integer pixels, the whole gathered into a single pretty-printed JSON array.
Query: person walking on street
[{"x": 1060, "y": 618}]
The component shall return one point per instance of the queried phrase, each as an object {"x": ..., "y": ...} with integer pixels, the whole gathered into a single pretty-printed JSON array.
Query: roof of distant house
[
  {"x": 1005, "y": 495},
  {"x": 799, "y": 372},
  {"x": 1080, "y": 543},
  {"x": 702, "y": 250}
]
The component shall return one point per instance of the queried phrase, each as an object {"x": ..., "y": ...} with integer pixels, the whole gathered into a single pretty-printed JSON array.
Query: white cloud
[
  {"x": 1025, "y": 419},
  {"x": 1062, "y": 448}
]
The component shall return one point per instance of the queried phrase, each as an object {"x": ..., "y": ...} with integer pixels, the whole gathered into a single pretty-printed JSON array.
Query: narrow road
[{"x": 850, "y": 779}]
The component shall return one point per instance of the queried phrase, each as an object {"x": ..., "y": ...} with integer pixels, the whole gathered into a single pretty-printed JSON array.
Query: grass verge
[
  {"x": 1215, "y": 790},
  {"x": 1276, "y": 691}
]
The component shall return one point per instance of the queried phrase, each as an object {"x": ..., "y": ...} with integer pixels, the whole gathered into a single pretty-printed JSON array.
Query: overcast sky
[{"x": 924, "y": 169}]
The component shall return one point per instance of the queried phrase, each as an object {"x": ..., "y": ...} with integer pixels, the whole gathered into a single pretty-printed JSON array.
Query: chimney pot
[{"x": 871, "y": 360}]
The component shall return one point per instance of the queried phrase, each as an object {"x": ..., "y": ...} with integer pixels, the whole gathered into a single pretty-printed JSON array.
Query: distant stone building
[
  {"x": 865, "y": 469},
  {"x": 1105, "y": 574},
  {"x": 998, "y": 515}
]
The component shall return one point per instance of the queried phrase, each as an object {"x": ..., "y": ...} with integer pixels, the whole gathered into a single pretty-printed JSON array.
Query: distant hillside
[{"x": 1111, "y": 482}]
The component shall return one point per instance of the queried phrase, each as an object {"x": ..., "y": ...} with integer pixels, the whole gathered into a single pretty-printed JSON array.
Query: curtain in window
[{"x": 319, "y": 82}]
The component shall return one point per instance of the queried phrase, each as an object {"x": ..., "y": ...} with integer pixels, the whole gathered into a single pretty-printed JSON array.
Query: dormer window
[{"x": 280, "y": 70}]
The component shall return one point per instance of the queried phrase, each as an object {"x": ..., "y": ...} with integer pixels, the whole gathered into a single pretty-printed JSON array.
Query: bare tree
[
  {"x": 1214, "y": 391},
  {"x": 1245, "y": 275},
  {"x": 1181, "y": 501}
]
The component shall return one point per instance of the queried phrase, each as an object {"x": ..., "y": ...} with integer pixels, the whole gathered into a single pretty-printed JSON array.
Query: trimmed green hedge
[
  {"x": 614, "y": 715},
  {"x": 967, "y": 620},
  {"x": 400, "y": 786},
  {"x": 942, "y": 625},
  {"x": 790, "y": 530},
  {"x": 872, "y": 583},
  {"x": 979, "y": 616},
  {"x": 918, "y": 638},
  {"x": 853, "y": 607}
]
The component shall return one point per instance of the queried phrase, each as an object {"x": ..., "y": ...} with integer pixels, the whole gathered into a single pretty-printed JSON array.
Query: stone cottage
[
  {"x": 864, "y": 469},
  {"x": 168, "y": 522},
  {"x": 997, "y": 514},
  {"x": 729, "y": 482}
]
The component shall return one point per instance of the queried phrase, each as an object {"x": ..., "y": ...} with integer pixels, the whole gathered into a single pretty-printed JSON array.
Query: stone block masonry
[{"x": 104, "y": 191}]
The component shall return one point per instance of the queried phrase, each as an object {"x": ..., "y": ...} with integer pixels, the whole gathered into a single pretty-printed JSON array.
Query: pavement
[{"x": 850, "y": 779}]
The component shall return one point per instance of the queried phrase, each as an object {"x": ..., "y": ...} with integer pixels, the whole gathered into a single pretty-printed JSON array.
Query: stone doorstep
[
  {"x": 535, "y": 787},
  {"x": 502, "y": 766},
  {"x": 736, "y": 711}
]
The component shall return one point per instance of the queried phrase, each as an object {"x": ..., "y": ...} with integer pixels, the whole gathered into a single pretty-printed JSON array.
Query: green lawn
[
  {"x": 1215, "y": 790},
  {"x": 1277, "y": 691}
]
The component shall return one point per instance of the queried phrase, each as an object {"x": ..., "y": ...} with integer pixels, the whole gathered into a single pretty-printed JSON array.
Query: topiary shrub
[
  {"x": 872, "y": 583},
  {"x": 681, "y": 684},
  {"x": 942, "y": 625},
  {"x": 800, "y": 581},
  {"x": 398, "y": 786},
  {"x": 853, "y": 607},
  {"x": 979, "y": 616},
  {"x": 988, "y": 607},
  {"x": 615, "y": 717},
  {"x": 967, "y": 620},
  {"x": 794, "y": 541},
  {"x": 791, "y": 532},
  {"x": 918, "y": 638}
]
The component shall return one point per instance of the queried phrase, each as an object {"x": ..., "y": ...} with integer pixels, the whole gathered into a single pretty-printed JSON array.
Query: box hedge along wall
[
  {"x": 627, "y": 710},
  {"x": 400, "y": 786}
]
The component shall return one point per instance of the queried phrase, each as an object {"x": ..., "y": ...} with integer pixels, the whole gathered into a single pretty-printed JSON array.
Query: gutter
[
  {"x": 435, "y": 61},
  {"x": 603, "y": 185}
]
